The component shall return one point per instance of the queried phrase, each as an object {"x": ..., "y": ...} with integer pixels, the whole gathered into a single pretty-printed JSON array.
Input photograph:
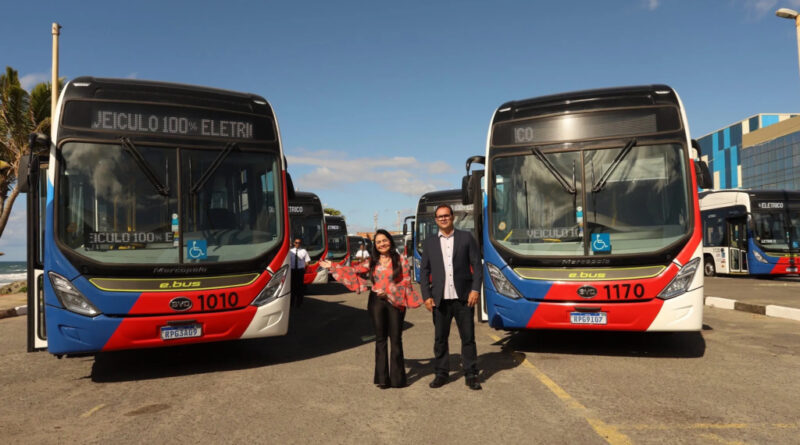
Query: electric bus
[
  {"x": 156, "y": 217},
  {"x": 589, "y": 215},
  {"x": 338, "y": 243},
  {"x": 750, "y": 232},
  {"x": 308, "y": 224},
  {"x": 425, "y": 221}
]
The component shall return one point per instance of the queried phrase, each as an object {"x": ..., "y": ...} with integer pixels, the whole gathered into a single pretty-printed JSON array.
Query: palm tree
[{"x": 21, "y": 113}]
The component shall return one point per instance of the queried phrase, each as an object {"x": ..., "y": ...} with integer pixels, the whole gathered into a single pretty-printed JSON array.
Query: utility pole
[
  {"x": 375, "y": 217},
  {"x": 56, "y": 31}
]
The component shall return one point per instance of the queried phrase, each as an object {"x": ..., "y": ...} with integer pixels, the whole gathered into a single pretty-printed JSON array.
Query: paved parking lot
[{"x": 735, "y": 382}]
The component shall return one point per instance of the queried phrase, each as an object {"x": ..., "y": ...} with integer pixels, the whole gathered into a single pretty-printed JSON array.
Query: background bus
[
  {"x": 305, "y": 214},
  {"x": 425, "y": 222},
  {"x": 590, "y": 217},
  {"x": 338, "y": 243},
  {"x": 754, "y": 232},
  {"x": 156, "y": 216},
  {"x": 354, "y": 243}
]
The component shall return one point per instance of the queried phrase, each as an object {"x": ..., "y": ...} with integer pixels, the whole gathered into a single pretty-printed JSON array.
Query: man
[
  {"x": 298, "y": 257},
  {"x": 362, "y": 253},
  {"x": 450, "y": 280}
]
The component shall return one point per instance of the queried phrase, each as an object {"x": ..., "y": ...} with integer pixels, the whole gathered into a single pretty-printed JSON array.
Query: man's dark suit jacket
[{"x": 465, "y": 256}]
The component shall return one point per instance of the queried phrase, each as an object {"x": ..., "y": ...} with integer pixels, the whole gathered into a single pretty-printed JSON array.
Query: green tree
[
  {"x": 331, "y": 211},
  {"x": 21, "y": 113}
]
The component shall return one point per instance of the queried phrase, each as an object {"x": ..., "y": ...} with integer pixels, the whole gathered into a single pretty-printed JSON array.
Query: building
[{"x": 753, "y": 153}]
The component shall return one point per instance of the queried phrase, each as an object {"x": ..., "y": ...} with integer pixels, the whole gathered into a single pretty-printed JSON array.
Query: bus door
[
  {"x": 737, "y": 254},
  {"x": 473, "y": 187},
  {"x": 36, "y": 185}
]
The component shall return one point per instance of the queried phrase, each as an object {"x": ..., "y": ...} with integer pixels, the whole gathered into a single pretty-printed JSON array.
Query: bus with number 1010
[
  {"x": 589, "y": 216},
  {"x": 157, "y": 216}
]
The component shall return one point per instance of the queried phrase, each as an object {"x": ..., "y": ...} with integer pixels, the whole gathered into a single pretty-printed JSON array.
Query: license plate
[
  {"x": 184, "y": 331},
  {"x": 588, "y": 318}
]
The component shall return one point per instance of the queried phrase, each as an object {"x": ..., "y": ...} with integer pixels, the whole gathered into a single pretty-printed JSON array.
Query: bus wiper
[
  {"x": 213, "y": 167},
  {"x": 144, "y": 167},
  {"x": 601, "y": 184},
  {"x": 556, "y": 174}
]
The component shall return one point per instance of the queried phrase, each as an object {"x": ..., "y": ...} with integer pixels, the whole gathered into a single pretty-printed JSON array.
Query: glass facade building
[{"x": 735, "y": 158}]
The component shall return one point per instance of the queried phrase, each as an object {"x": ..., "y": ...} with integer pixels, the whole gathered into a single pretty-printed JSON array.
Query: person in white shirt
[
  {"x": 298, "y": 257},
  {"x": 362, "y": 253}
]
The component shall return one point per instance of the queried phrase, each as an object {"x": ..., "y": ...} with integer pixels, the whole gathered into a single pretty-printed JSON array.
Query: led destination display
[{"x": 167, "y": 120}]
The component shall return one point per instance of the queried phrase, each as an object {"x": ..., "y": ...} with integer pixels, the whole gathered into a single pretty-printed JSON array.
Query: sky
[{"x": 380, "y": 102}]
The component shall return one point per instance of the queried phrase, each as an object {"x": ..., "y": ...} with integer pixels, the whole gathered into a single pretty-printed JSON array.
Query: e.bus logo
[
  {"x": 587, "y": 291},
  {"x": 180, "y": 304},
  {"x": 179, "y": 285}
]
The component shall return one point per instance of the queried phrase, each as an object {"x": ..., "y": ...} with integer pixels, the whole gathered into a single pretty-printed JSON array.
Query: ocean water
[{"x": 11, "y": 271}]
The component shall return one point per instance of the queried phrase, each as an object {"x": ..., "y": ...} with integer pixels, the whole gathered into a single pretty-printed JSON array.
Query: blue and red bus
[
  {"x": 589, "y": 215},
  {"x": 308, "y": 224},
  {"x": 157, "y": 216}
]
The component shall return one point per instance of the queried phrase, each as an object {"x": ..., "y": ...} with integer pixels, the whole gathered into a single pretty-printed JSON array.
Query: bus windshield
[
  {"x": 426, "y": 222},
  {"x": 114, "y": 208},
  {"x": 609, "y": 201},
  {"x": 778, "y": 230},
  {"x": 309, "y": 229},
  {"x": 337, "y": 241}
]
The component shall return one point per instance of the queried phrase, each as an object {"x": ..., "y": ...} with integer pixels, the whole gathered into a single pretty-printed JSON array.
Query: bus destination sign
[
  {"x": 167, "y": 120},
  {"x": 177, "y": 124}
]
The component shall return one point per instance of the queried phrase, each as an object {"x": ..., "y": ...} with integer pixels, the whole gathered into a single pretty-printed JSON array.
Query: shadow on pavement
[
  {"x": 628, "y": 344},
  {"x": 489, "y": 364},
  {"x": 316, "y": 329}
]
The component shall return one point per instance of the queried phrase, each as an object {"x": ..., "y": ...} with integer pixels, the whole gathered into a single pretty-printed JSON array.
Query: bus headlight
[
  {"x": 501, "y": 283},
  {"x": 70, "y": 297},
  {"x": 681, "y": 282},
  {"x": 760, "y": 258},
  {"x": 273, "y": 289}
]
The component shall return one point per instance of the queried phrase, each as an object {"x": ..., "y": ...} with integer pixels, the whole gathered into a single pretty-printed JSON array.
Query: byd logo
[
  {"x": 587, "y": 291},
  {"x": 180, "y": 304}
]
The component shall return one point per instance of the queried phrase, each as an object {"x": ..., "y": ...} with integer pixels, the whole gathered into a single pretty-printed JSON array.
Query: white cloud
[
  {"x": 652, "y": 5},
  {"x": 405, "y": 175},
  {"x": 28, "y": 81}
]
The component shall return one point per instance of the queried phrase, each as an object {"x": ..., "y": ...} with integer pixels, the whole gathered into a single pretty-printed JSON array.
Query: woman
[{"x": 391, "y": 294}]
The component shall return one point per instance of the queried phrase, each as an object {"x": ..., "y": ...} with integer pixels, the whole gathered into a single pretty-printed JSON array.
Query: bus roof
[
  {"x": 588, "y": 100},
  {"x": 86, "y": 87},
  {"x": 441, "y": 196},
  {"x": 305, "y": 197}
]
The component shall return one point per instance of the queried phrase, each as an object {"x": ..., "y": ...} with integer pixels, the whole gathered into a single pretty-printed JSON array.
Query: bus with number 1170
[
  {"x": 157, "y": 216},
  {"x": 589, "y": 216}
]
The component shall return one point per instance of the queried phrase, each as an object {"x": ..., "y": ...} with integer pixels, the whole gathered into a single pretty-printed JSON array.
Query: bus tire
[{"x": 709, "y": 269}]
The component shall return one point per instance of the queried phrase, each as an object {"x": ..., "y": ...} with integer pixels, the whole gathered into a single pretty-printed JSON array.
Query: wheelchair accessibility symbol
[
  {"x": 197, "y": 250},
  {"x": 601, "y": 242}
]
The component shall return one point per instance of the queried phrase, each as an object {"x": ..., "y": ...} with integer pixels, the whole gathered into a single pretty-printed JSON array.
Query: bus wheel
[{"x": 708, "y": 266}]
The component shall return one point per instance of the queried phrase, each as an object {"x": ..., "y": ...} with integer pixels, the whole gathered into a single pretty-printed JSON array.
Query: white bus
[{"x": 750, "y": 232}]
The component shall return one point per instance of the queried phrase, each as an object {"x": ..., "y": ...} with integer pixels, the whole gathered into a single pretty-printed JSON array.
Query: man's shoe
[
  {"x": 438, "y": 382},
  {"x": 472, "y": 382}
]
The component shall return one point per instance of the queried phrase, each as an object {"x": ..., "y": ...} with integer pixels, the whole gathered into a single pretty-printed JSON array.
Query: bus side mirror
[
  {"x": 466, "y": 190},
  {"x": 289, "y": 186},
  {"x": 405, "y": 229},
  {"x": 704, "y": 180},
  {"x": 24, "y": 174}
]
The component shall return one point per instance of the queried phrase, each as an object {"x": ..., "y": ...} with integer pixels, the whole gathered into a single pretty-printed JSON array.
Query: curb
[
  {"x": 13, "y": 312},
  {"x": 769, "y": 310}
]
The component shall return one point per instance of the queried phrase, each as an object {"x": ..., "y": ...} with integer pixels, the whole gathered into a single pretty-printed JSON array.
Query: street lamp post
[{"x": 787, "y": 13}]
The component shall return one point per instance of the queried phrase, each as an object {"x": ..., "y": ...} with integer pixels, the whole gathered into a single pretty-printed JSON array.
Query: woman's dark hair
[{"x": 397, "y": 268}]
